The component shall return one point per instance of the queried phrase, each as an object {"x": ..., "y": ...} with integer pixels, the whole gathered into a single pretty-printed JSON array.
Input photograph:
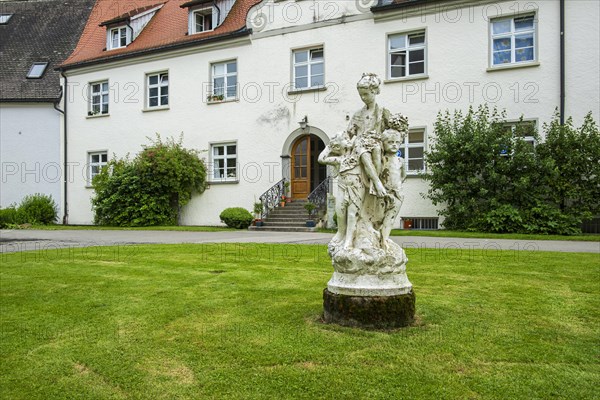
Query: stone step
[
  {"x": 278, "y": 219},
  {"x": 283, "y": 224},
  {"x": 282, "y": 229},
  {"x": 287, "y": 214}
]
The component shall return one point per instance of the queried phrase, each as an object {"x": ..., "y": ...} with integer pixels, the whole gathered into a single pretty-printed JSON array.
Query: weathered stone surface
[
  {"x": 371, "y": 312},
  {"x": 369, "y": 287}
]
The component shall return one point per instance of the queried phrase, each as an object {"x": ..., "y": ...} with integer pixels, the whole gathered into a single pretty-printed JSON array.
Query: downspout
[
  {"x": 562, "y": 62},
  {"x": 65, "y": 166}
]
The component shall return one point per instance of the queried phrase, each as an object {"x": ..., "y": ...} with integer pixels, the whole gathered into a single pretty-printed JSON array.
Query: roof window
[
  {"x": 4, "y": 18},
  {"x": 37, "y": 70}
]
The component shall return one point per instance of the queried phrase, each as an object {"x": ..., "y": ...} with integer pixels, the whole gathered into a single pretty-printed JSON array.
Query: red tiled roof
[{"x": 168, "y": 28}]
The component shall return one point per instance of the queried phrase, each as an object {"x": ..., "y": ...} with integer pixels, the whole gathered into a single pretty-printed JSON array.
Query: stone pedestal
[
  {"x": 369, "y": 289},
  {"x": 371, "y": 312}
]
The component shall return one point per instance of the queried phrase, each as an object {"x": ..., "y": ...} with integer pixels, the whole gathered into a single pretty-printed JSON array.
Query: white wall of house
[
  {"x": 29, "y": 152},
  {"x": 261, "y": 122}
]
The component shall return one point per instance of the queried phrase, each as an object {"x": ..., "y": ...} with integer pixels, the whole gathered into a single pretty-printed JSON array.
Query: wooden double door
[{"x": 306, "y": 172}]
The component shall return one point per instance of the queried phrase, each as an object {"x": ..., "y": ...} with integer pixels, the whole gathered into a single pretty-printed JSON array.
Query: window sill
[
  {"x": 407, "y": 79},
  {"x": 232, "y": 100},
  {"x": 513, "y": 66},
  {"x": 224, "y": 182},
  {"x": 308, "y": 90},
  {"x": 97, "y": 116},
  {"x": 89, "y": 187},
  {"x": 414, "y": 174},
  {"x": 161, "y": 108}
]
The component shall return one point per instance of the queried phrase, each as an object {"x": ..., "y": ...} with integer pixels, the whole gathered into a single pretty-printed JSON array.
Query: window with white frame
[
  {"x": 407, "y": 55},
  {"x": 513, "y": 40},
  {"x": 413, "y": 151},
  {"x": 98, "y": 98},
  {"x": 201, "y": 20},
  {"x": 224, "y": 81},
  {"x": 524, "y": 130},
  {"x": 158, "y": 90},
  {"x": 118, "y": 37},
  {"x": 96, "y": 161},
  {"x": 309, "y": 68},
  {"x": 224, "y": 162}
]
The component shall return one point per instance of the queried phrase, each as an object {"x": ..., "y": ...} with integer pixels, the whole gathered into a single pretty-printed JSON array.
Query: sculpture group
[{"x": 370, "y": 175}]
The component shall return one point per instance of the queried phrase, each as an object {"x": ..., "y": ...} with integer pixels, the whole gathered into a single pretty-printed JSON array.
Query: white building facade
[{"x": 241, "y": 99}]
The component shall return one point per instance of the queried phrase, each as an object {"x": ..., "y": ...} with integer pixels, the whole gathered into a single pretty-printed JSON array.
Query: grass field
[
  {"x": 395, "y": 232},
  {"x": 236, "y": 321}
]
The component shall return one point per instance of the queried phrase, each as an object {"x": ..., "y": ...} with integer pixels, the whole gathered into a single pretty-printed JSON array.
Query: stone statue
[{"x": 369, "y": 268}]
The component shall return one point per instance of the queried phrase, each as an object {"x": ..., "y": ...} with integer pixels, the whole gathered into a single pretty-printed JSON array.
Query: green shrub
[
  {"x": 37, "y": 209},
  {"x": 151, "y": 189},
  {"x": 488, "y": 178},
  {"x": 8, "y": 217},
  {"x": 236, "y": 217}
]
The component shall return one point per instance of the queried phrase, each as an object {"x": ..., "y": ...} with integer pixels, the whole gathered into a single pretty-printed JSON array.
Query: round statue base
[{"x": 370, "y": 312}]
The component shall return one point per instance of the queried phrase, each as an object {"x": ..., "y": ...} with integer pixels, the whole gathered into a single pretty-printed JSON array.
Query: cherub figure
[
  {"x": 392, "y": 175},
  {"x": 340, "y": 154}
]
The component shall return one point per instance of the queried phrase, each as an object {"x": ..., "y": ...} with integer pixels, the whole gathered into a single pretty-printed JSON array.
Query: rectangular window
[
  {"x": 158, "y": 90},
  {"x": 224, "y": 81},
  {"x": 309, "y": 68},
  {"x": 96, "y": 161},
  {"x": 224, "y": 162},
  {"x": 513, "y": 40},
  {"x": 98, "y": 98},
  {"x": 118, "y": 37},
  {"x": 413, "y": 151},
  {"x": 201, "y": 20},
  {"x": 407, "y": 55},
  {"x": 524, "y": 130}
]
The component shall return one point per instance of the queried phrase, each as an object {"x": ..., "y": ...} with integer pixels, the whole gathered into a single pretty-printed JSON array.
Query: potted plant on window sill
[
  {"x": 258, "y": 209},
  {"x": 212, "y": 98},
  {"x": 310, "y": 207}
]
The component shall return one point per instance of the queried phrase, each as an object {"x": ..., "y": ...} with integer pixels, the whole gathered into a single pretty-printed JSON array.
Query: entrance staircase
[{"x": 291, "y": 218}]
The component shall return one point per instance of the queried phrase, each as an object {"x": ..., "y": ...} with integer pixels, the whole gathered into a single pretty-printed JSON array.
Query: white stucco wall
[
  {"x": 29, "y": 152},
  {"x": 266, "y": 115}
]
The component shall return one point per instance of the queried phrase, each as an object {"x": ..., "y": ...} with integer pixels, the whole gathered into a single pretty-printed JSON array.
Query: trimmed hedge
[{"x": 236, "y": 217}]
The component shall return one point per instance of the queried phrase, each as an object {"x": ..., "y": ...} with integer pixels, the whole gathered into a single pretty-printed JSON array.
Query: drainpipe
[
  {"x": 562, "y": 62},
  {"x": 65, "y": 166}
]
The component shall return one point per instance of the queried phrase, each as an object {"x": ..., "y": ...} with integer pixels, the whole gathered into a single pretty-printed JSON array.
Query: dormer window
[
  {"x": 123, "y": 30},
  {"x": 202, "y": 20},
  {"x": 206, "y": 15},
  {"x": 118, "y": 37}
]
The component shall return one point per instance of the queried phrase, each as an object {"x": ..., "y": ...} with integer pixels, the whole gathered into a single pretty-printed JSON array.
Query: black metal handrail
[
  {"x": 319, "y": 196},
  {"x": 272, "y": 197}
]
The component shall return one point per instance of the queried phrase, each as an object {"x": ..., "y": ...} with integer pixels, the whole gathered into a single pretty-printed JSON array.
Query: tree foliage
[
  {"x": 488, "y": 178},
  {"x": 150, "y": 189}
]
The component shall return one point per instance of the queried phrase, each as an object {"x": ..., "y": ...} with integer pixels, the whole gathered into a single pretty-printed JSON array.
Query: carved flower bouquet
[{"x": 399, "y": 122}]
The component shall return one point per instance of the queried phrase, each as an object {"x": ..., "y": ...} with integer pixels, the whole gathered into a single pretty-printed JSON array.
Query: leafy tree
[
  {"x": 488, "y": 178},
  {"x": 150, "y": 189},
  {"x": 574, "y": 175},
  {"x": 481, "y": 171}
]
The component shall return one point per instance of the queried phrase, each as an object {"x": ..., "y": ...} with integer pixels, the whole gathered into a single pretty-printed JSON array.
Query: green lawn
[
  {"x": 138, "y": 228},
  {"x": 481, "y": 235},
  {"x": 242, "y": 322}
]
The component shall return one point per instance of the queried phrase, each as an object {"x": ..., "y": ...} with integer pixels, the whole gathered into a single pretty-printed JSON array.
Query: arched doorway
[{"x": 306, "y": 172}]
